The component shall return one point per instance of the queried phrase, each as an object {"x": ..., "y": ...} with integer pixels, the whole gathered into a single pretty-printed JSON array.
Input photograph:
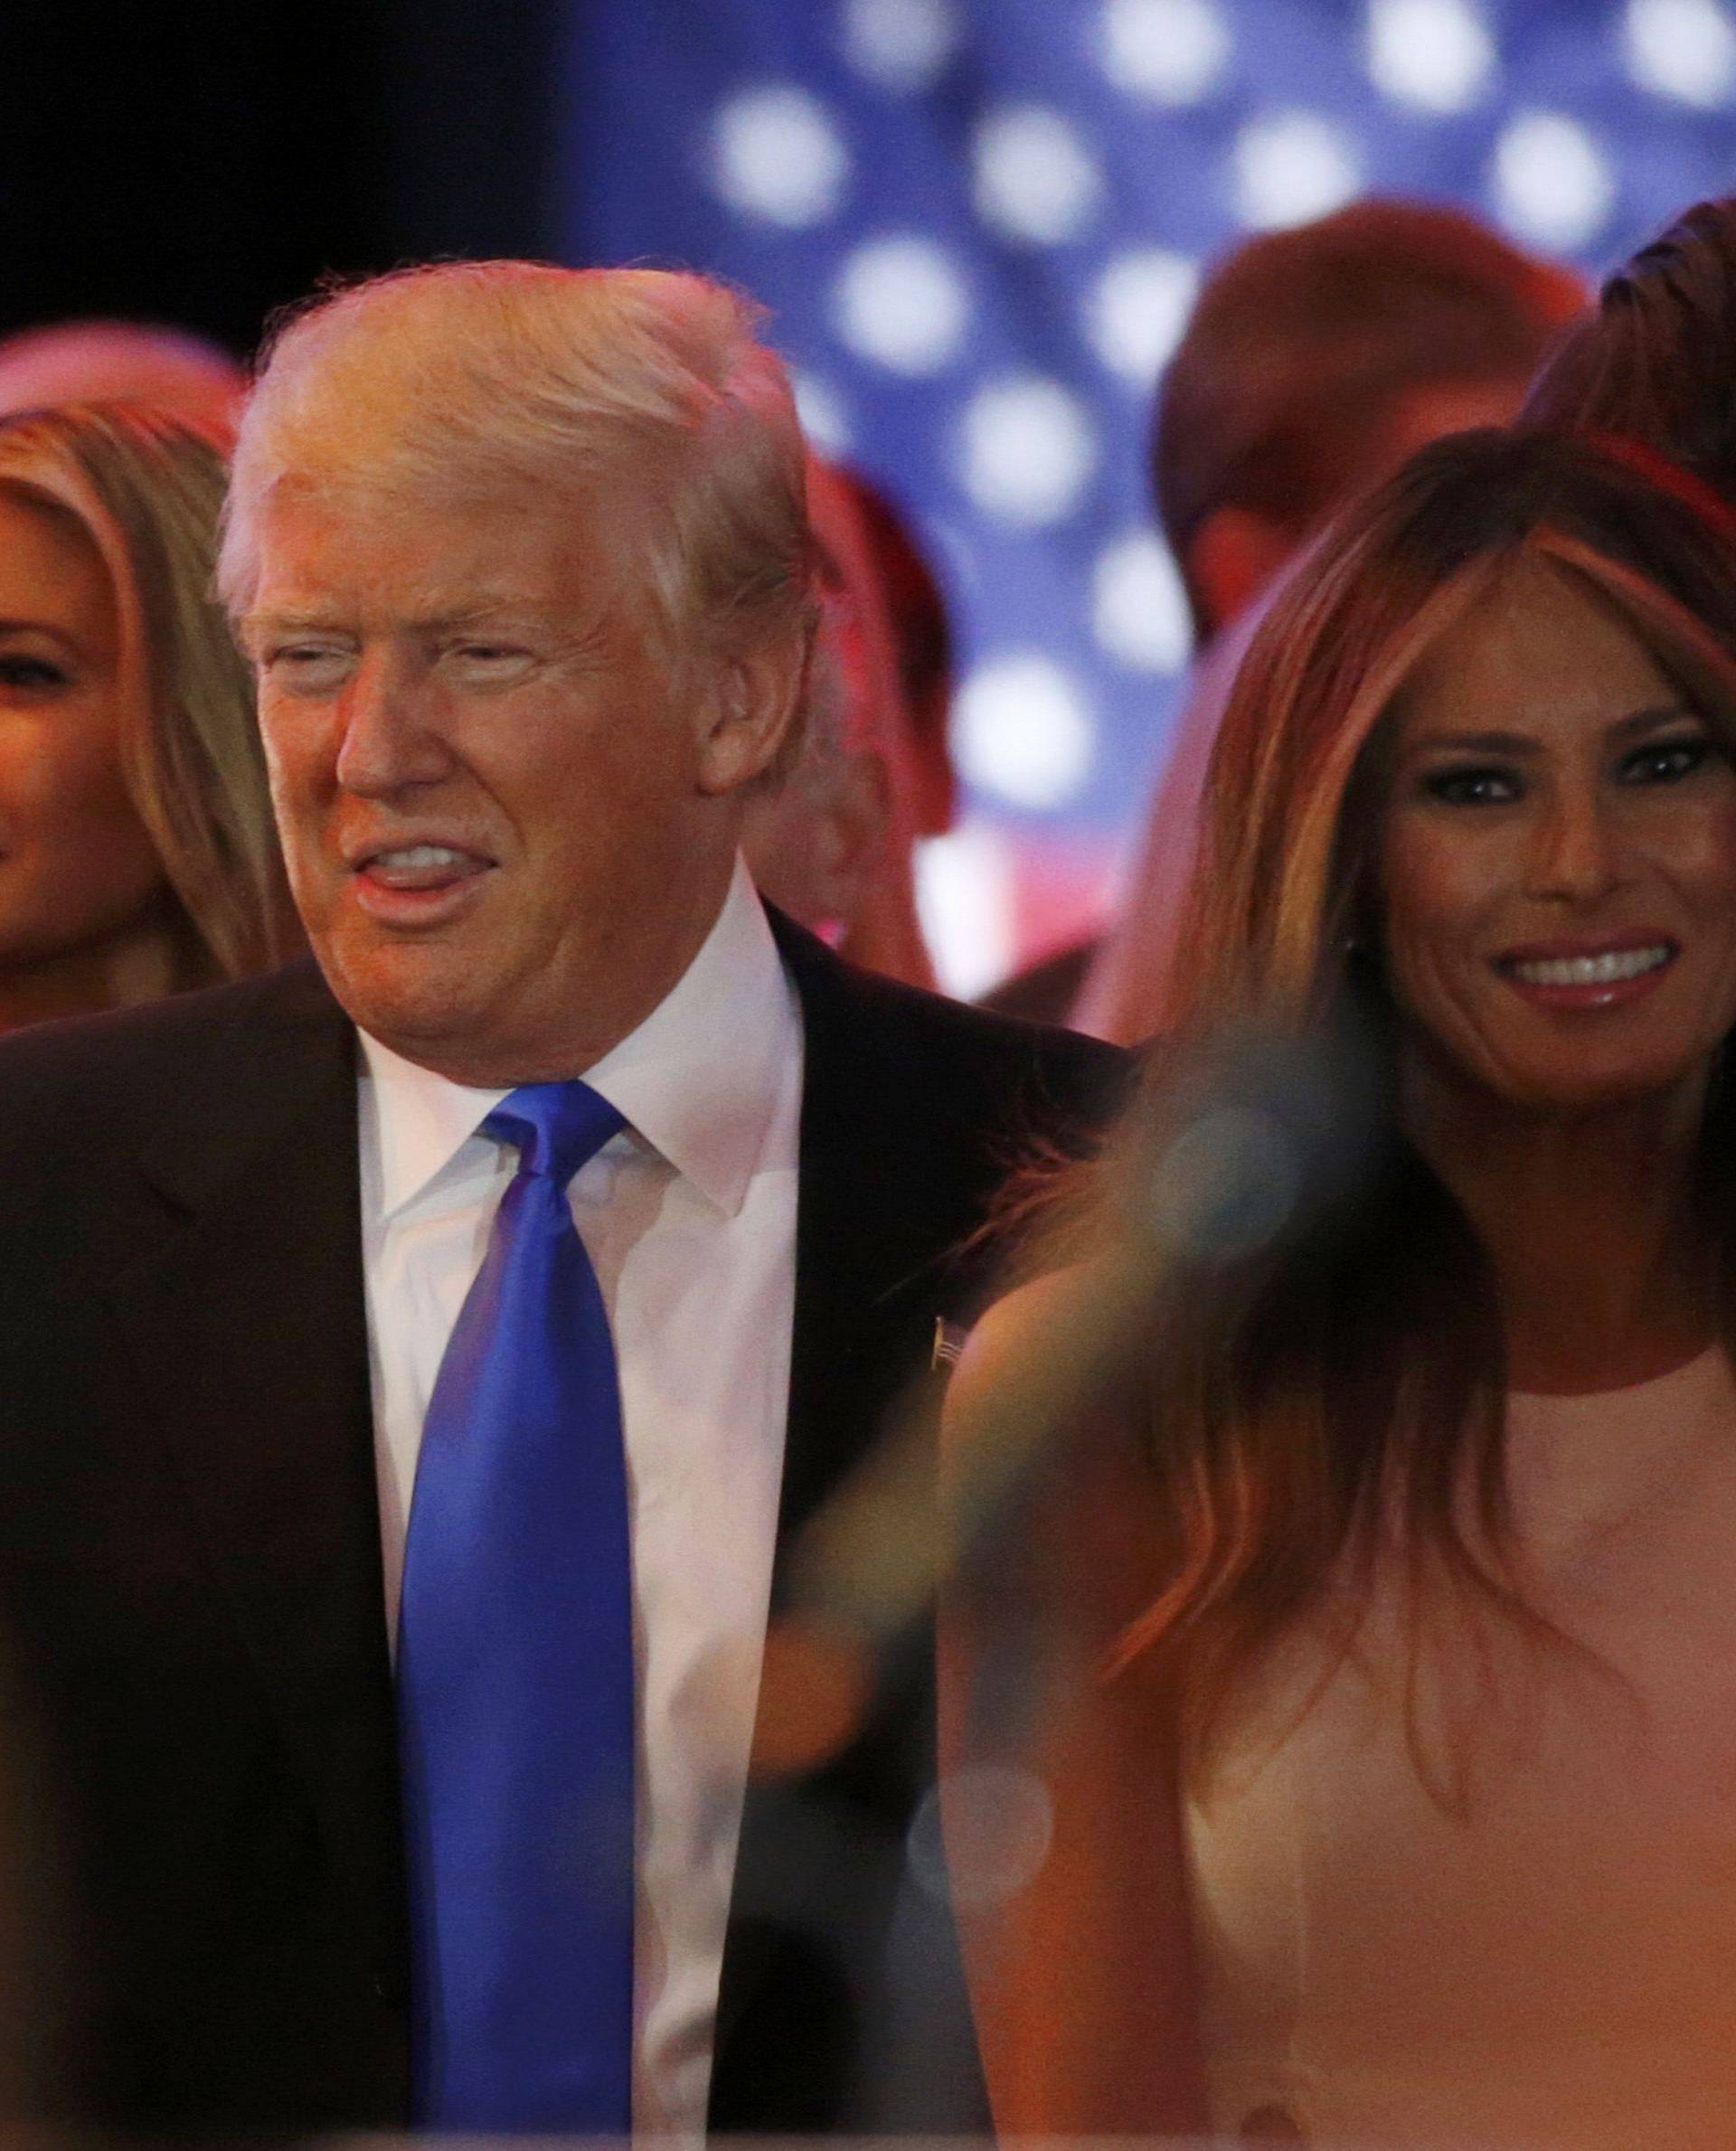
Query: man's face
[{"x": 489, "y": 788}]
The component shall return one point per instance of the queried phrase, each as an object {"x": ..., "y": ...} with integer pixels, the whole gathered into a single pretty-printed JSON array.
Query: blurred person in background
[
  {"x": 831, "y": 840},
  {"x": 1384, "y": 1625},
  {"x": 137, "y": 852},
  {"x": 1652, "y": 369},
  {"x": 1315, "y": 361},
  {"x": 121, "y": 361},
  {"x": 923, "y": 643}
]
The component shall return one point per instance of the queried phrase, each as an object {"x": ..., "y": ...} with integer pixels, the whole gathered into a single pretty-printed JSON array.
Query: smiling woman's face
[
  {"x": 76, "y": 869},
  {"x": 1557, "y": 857}
]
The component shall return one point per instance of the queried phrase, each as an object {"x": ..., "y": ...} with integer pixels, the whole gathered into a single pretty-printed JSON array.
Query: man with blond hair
[{"x": 416, "y": 1370}]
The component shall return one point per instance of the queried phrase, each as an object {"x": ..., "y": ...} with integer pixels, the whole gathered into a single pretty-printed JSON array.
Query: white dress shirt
[{"x": 689, "y": 1217}]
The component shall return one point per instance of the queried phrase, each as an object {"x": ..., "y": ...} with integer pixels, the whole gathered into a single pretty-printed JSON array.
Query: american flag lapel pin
[{"x": 949, "y": 1343}]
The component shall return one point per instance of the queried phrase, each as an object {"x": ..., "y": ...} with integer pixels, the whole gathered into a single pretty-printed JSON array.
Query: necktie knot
[{"x": 556, "y": 1128}]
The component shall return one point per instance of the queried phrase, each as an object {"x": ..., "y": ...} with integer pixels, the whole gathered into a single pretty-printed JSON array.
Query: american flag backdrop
[{"x": 979, "y": 224}]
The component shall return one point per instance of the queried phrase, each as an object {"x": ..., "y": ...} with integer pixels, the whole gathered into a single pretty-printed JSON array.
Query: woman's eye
[
  {"x": 1471, "y": 787},
  {"x": 31, "y": 674},
  {"x": 1665, "y": 761}
]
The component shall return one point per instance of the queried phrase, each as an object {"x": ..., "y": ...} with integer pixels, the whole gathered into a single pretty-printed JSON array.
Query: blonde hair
[
  {"x": 466, "y": 379},
  {"x": 1291, "y": 1405},
  {"x": 146, "y": 488}
]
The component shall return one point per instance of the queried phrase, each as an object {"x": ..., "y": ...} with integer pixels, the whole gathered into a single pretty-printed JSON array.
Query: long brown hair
[
  {"x": 1655, "y": 361},
  {"x": 147, "y": 488},
  {"x": 1350, "y": 1380}
]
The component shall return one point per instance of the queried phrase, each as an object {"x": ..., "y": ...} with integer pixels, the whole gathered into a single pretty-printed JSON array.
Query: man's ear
[{"x": 752, "y": 707}]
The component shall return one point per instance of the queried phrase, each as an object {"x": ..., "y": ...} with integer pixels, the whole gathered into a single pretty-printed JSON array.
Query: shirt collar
[{"x": 698, "y": 1081}]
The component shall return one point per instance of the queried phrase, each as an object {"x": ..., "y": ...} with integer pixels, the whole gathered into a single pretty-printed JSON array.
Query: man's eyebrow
[
  {"x": 282, "y": 621},
  {"x": 481, "y": 612},
  {"x": 436, "y": 619},
  {"x": 314, "y": 618}
]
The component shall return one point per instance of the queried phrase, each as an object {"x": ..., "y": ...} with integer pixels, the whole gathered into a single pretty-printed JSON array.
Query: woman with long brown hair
[
  {"x": 1390, "y": 1624},
  {"x": 137, "y": 855}
]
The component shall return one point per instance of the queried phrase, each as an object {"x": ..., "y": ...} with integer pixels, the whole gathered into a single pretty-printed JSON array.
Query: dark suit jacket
[{"x": 189, "y": 1562}]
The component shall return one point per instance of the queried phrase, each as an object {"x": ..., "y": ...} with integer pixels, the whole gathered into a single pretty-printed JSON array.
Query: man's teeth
[
  {"x": 420, "y": 854},
  {"x": 1609, "y": 970}
]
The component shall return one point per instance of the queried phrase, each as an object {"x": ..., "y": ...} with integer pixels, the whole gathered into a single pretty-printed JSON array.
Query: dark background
[{"x": 203, "y": 161}]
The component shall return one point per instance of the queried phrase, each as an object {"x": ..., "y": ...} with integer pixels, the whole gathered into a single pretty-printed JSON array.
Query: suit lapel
[
  {"x": 878, "y": 1195},
  {"x": 246, "y": 1324},
  {"x": 859, "y": 1245}
]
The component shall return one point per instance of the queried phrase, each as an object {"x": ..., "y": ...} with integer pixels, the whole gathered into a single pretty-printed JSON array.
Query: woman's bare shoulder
[
  {"x": 1023, "y": 1409},
  {"x": 1008, "y": 1355},
  {"x": 1023, "y": 1320}
]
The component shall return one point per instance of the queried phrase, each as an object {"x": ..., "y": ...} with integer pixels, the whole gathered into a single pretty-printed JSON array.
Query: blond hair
[
  {"x": 146, "y": 488},
  {"x": 467, "y": 380}
]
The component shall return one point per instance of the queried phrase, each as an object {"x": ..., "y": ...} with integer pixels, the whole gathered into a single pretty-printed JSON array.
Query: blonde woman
[
  {"x": 137, "y": 855},
  {"x": 1389, "y": 1789}
]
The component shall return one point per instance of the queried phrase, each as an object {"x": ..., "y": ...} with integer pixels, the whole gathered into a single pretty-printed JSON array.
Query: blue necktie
[{"x": 515, "y": 1675}]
